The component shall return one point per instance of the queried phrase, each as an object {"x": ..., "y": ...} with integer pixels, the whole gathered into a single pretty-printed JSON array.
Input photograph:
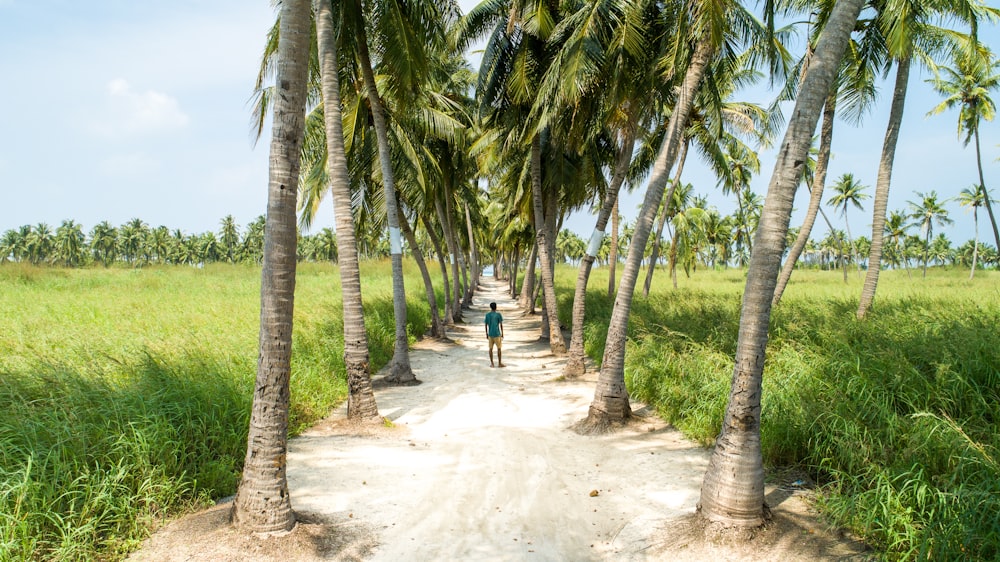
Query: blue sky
[{"x": 119, "y": 109}]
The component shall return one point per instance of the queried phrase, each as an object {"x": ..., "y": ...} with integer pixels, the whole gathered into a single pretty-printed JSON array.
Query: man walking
[{"x": 494, "y": 332}]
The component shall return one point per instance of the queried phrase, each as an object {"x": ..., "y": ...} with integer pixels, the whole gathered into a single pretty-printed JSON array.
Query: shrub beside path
[{"x": 480, "y": 464}]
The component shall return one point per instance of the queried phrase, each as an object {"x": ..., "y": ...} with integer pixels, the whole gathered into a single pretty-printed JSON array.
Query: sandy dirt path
[{"x": 480, "y": 464}]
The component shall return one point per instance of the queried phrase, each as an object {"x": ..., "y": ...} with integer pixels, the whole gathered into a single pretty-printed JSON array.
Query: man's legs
[{"x": 491, "y": 353}]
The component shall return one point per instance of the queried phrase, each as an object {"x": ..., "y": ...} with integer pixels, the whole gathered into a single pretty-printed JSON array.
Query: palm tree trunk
[
  {"x": 439, "y": 250},
  {"x": 437, "y": 329},
  {"x": 815, "y": 195},
  {"x": 975, "y": 246},
  {"x": 262, "y": 503},
  {"x": 655, "y": 253},
  {"x": 360, "y": 398},
  {"x": 445, "y": 219},
  {"x": 733, "y": 489},
  {"x": 527, "y": 300},
  {"x": 400, "y": 371},
  {"x": 514, "y": 263},
  {"x": 575, "y": 365},
  {"x": 473, "y": 253},
  {"x": 556, "y": 343},
  {"x": 982, "y": 185},
  {"x": 610, "y": 404},
  {"x": 613, "y": 253},
  {"x": 674, "y": 239},
  {"x": 881, "y": 202}
]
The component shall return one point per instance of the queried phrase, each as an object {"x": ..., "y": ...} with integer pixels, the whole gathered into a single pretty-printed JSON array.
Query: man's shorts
[{"x": 496, "y": 341}]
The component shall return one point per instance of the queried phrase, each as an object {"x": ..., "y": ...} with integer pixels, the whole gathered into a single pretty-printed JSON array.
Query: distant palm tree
[
  {"x": 968, "y": 86},
  {"x": 848, "y": 192},
  {"x": 896, "y": 225},
  {"x": 925, "y": 213},
  {"x": 69, "y": 243},
  {"x": 973, "y": 198},
  {"x": 229, "y": 238},
  {"x": 38, "y": 243}
]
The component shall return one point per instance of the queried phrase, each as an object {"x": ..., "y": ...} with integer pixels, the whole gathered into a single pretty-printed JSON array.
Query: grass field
[
  {"x": 895, "y": 417},
  {"x": 126, "y": 392}
]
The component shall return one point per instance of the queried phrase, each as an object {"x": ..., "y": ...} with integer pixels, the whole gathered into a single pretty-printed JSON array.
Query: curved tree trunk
[
  {"x": 449, "y": 239},
  {"x": 400, "y": 370},
  {"x": 733, "y": 489},
  {"x": 262, "y": 503},
  {"x": 360, "y": 398},
  {"x": 473, "y": 254},
  {"x": 437, "y": 329},
  {"x": 556, "y": 343},
  {"x": 655, "y": 254},
  {"x": 575, "y": 365},
  {"x": 975, "y": 244},
  {"x": 815, "y": 196},
  {"x": 881, "y": 202},
  {"x": 439, "y": 250},
  {"x": 982, "y": 185},
  {"x": 610, "y": 404}
]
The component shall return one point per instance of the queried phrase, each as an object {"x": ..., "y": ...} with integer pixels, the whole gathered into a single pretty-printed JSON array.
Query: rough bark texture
[
  {"x": 526, "y": 300},
  {"x": 360, "y": 398},
  {"x": 655, "y": 253},
  {"x": 437, "y": 329},
  {"x": 449, "y": 238},
  {"x": 556, "y": 343},
  {"x": 610, "y": 404},
  {"x": 881, "y": 202},
  {"x": 575, "y": 365},
  {"x": 815, "y": 196},
  {"x": 439, "y": 250},
  {"x": 733, "y": 489},
  {"x": 613, "y": 250},
  {"x": 400, "y": 371},
  {"x": 262, "y": 504}
]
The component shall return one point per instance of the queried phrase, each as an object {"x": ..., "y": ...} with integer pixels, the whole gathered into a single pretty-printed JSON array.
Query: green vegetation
[
  {"x": 894, "y": 416},
  {"x": 126, "y": 393}
]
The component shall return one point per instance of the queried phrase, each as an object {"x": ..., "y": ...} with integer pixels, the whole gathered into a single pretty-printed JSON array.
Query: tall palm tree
[
  {"x": 360, "y": 399},
  {"x": 69, "y": 241},
  {"x": 848, "y": 192},
  {"x": 896, "y": 226},
  {"x": 973, "y": 198},
  {"x": 262, "y": 502},
  {"x": 733, "y": 489},
  {"x": 908, "y": 34},
  {"x": 968, "y": 86},
  {"x": 925, "y": 213}
]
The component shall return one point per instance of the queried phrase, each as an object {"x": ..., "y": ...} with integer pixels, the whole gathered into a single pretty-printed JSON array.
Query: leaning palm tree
[
  {"x": 973, "y": 198},
  {"x": 848, "y": 192},
  {"x": 262, "y": 503},
  {"x": 360, "y": 399},
  {"x": 925, "y": 214},
  {"x": 733, "y": 489},
  {"x": 968, "y": 86}
]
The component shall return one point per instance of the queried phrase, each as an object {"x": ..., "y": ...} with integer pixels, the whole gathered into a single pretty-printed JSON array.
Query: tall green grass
[
  {"x": 895, "y": 416},
  {"x": 126, "y": 393}
]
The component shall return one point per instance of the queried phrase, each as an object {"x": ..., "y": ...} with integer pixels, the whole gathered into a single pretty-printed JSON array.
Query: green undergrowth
[
  {"x": 126, "y": 393},
  {"x": 895, "y": 416}
]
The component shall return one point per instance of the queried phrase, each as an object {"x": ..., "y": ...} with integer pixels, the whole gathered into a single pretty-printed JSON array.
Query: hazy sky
[{"x": 118, "y": 109}]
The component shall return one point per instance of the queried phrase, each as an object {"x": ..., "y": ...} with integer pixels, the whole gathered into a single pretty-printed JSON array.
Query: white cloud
[
  {"x": 131, "y": 164},
  {"x": 132, "y": 112}
]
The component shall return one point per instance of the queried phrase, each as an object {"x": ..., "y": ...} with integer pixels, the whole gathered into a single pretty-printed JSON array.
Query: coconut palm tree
[
  {"x": 262, "y": 502},
  {"x": 69, "y": 243},
  {"x": 38, "y": 243},
  {"x": 848, "y": 192},
  {"x": 908, "y": 34},
  {"x": 229, "y": 237},
  {"x": 733, "y": 489},
  {"x": 896, "y": 226},
  {"x": 361, "y": 398},
  {"x": 973, "y": 198},
  {"x": 968, "y": 86},
  {"x": 925, "y": 213}
]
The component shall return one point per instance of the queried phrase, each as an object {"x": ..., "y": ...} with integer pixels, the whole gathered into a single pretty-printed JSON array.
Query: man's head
[{"x": 493, "y": 306}]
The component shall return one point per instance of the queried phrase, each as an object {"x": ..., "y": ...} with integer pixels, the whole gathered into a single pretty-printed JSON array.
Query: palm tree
[
  {"x": 906, "y": 30},
  {"x": 925, "y": 213},
  {"x": 229, "y": 237},
  {"x": 361, "y": 399},
  {"x": 733, "y": 489},
  {"x": 38, "y": 243},
  {"x": 262, "y": 502},
  {"x": 896, "y": 226},
  {"x": 848, "y": 192},
  {"x": 69, "y": 242},
  {"x": 968, "y": 86},
  {"x": 973, "y": 198}
]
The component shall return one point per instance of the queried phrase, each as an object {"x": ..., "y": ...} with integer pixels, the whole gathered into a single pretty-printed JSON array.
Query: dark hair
[{"x": 493, "y": 306}]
